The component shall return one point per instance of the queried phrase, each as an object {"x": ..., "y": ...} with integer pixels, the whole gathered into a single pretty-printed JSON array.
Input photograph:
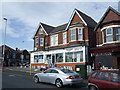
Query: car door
[
  {"x": 53, "y": 75},
  {"x": 45, "y": 76},
  {"x": 114, "y": 80},
  {"x": 102, "y": 80}
]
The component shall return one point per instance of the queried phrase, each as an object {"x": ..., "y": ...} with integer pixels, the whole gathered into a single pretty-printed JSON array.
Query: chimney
[{"x": 16, "y": 49}]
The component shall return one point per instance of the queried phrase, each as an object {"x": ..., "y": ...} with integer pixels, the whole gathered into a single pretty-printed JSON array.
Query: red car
[{"x": 104, "y": 79}]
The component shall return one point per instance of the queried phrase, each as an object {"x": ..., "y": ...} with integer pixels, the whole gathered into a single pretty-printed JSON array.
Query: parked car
[
  {"x": 59, "y": 77},
  {"x": 104, "y": 79}
]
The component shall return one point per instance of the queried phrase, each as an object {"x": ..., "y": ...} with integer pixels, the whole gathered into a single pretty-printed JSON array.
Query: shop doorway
[{"x": 53, "y": 60}]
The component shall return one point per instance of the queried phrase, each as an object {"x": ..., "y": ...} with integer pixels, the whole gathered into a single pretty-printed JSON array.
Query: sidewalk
[{"x": 23, "y": 69}]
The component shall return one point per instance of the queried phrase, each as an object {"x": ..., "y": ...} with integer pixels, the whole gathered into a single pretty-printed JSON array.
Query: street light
[{"x": 4, "y": 41}]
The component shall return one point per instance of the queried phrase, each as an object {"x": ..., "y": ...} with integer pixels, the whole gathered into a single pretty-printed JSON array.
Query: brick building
[
  {"x": 66, "y": 45},
  {"x": 107, "y": 51}
]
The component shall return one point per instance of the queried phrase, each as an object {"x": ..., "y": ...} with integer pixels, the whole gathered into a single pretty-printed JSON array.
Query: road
[{"x": 18, "y": 79}]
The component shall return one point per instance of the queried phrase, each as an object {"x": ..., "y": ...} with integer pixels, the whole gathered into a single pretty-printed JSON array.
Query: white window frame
[
  {"x": 36, "y": 42},
  {"x": 74, "y": 29},
  {"x": 80, "y": 33},
  {"x": 41, "y": 41},
  {"x": 103, "y": 36},
  {"x": 107, "y": 35},
  {"x": 40, "y": 31},
  {"x": 64, "y": 37},
  {"x": 54, "y": 40},
  {"x": 117, "y": 34}
]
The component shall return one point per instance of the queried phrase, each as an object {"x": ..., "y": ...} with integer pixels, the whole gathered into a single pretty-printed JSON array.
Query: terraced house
[
  {"x": 107, "y": 51},
  {"x": 66, "y": 45}
]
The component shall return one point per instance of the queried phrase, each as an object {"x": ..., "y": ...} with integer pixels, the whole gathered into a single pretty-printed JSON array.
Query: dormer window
[
  {"x": 40, "y": 31},
  {"x": 109, "y": 34},
  {"x": 117, "y": 33}
]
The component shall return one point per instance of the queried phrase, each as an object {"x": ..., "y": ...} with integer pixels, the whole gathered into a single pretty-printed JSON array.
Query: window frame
[
  {"x": 71, "y": 34},
  {"x": 108, "y": 35},
  {"x": 42, "y": 42},
  {"x": 80, "y": 34},
  {"x": 117, "y": 34},
  {"x": 40, "y": 31},
  {"x": 64, "y": 37},
  {"x": 54, "y": 40},
  {"x": 37, "y": 42}
]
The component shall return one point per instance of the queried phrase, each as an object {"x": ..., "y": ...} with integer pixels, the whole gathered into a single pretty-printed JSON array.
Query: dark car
[{"x": 104, "y": 79}]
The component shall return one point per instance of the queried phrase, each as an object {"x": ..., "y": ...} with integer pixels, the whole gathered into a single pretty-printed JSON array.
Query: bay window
[
  {"x": 73, "y": 34},
  {"x": 117, "y": 33},
  {"x": 41, "y": 41},
  {"x": 80, "y": 32},
  {"x": 109, "y": 34},
  {"x": 36, "y": 41}
]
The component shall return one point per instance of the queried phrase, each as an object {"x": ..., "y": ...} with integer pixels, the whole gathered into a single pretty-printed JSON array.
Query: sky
[{"x": 23, "y": 18}]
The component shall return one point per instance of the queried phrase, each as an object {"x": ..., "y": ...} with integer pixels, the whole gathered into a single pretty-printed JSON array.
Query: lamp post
[{"x": 4, "y": 42}]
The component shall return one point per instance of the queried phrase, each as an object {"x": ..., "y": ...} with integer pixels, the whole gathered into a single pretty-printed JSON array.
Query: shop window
[
  {"x": 59, "y": 57},
  {"x": 117, "y": 33},
  {"x": 78, "y": 56},
  {"x": 69, "y": 57},
  {"x": 38, "y": 58},
  {"x": 48, "y": 59},
  {"x": 109, "y": 34}
]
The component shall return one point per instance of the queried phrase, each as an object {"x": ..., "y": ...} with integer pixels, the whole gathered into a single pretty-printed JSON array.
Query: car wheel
[
  {"x": 36, "y": 79},
  {"x": 92, "y": 88},
  {"x": 59, "y": 83}
]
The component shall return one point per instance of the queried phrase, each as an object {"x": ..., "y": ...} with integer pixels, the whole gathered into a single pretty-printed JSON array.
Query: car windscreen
[{"x": 67, "y": 71}]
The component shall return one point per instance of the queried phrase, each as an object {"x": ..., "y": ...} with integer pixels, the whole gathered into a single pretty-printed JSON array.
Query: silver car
[{"x": 59, "y": 77}]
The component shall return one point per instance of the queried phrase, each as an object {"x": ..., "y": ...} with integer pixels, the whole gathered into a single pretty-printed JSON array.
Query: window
[
  {"x": 59, "y": 57},
  {"x": 36, "y": 40},
  {"x": 48, "y": 59},
  {"x": 64, "y": 38},
  {"x": 78, "y": 56},
  {"x": 41, "y": 41},
  {"x": 14, "y": 56},
  {"x": 94, "y": 75},
  {"x": 114, "y": 77},
  {"x": 103, "y": 76},
  {"x": 73, "y": 34},
  {"x": 47, "y": 71},
  {"x": 74, "y": 56},
  {"x": 40, "y": 32},
  {"x": 54, "y": 71},
  {"x": 103, "y": 36},
  {"x": 80, "y": 30},
  {"x": 69, "y": 57},
  {"x": 38, "y": 58},
  {"x": 67, "y": 71},
  {"x": 54, "y": 40},
  {"x": 117, "y": 33},
  {"x": 109, "y": 34}
]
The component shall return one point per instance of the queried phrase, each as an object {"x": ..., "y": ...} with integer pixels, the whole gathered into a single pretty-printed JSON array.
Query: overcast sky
[{"x": 24, "y": 17}]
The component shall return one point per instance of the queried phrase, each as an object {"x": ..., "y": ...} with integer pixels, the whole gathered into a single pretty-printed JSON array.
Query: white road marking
[{"x": 11, "y": 75}]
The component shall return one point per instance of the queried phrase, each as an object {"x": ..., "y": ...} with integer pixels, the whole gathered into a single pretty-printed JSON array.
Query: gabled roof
[
  {"x": 85, "y": 18},
  {"x": 103, "y": 17},
  {"x": 59, "y": 28}
]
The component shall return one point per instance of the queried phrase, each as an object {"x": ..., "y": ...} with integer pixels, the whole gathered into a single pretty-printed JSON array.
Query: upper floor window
[
  {"x": 40, "y": 31},
  {"x": 117, "y": 33},
  {"x": 41, "y": 42},
  {"x": 64, "y": 38},
  {"x": 73, "y": 34},
  {"x": 109, "y": 34},
  {"x": 54, "y": 40},
  {"x": 36, "y": 41},
  {"x": 80, "y": 30}
]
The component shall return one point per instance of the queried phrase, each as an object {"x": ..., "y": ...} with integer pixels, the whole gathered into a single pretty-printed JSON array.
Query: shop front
[{"x": 65, "y": 57}]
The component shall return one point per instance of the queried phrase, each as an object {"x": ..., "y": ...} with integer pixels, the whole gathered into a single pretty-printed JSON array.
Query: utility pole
[{"x": 4, "y": 42}]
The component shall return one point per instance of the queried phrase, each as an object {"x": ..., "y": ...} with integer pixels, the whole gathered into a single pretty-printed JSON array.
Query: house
[
  {"x": 66, "y": 45},
  {"x": 107, "y": 51},
  {"x": 14, "y": 57}
]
